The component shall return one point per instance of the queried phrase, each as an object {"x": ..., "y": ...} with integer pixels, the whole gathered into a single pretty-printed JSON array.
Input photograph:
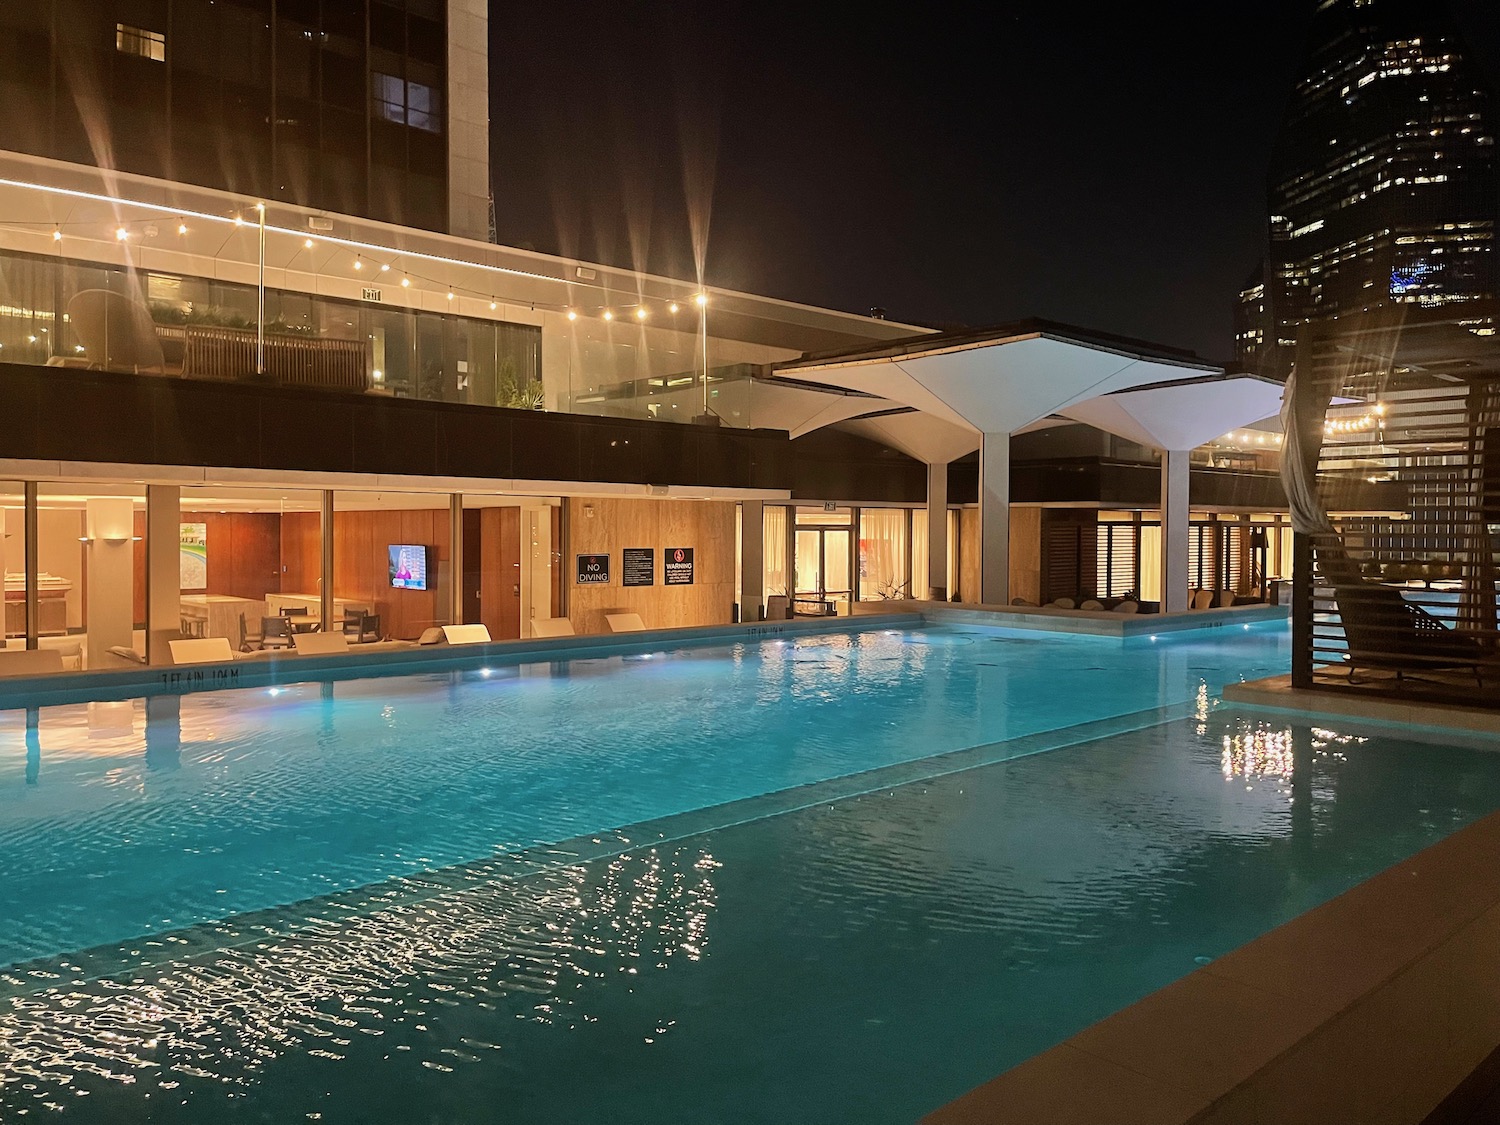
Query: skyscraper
[
  {"x": 377, "y": 108},
  {"x": 1382, "y": 186}
]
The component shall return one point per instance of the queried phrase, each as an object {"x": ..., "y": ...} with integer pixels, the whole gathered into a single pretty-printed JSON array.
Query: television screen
[{"x": 408, "y": 565}]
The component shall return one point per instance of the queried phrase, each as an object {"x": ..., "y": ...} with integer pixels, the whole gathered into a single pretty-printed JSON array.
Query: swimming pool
[{"x": 832, "y": 873}]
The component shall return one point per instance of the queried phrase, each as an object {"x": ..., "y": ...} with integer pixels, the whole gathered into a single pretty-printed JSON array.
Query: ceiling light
[
  {"x": 358, "y": 262},
  {"x": 450, "y": 294},
  {"x": 572, "y": 315},
  {"x": 640, "y": 314},
  {"x": 700, "y": 300},
  {"x": 608, "y": 315},
  {"x": 672, "y": 307},
  {"x": 405, "y": 282},
  {"x": 307, "y": 244},
  {"x": 493, "y": 306},
  {"x": 385, "y": 267},
  {"x": 57, "y": 236},
  {"x": 182, "y": 228},
  {"x": 122, "y": 234}
]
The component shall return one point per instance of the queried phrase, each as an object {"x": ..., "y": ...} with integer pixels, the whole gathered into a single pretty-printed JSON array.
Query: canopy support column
[
  {"x": 1174, "y": 530},
  {"x": 937, "y": 533},
  {"x": 994, "y": 519},
  {"x": 752, "y": 560}
]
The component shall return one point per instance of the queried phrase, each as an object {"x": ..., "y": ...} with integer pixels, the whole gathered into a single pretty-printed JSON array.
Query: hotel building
[{"x": 263, "y": 366}]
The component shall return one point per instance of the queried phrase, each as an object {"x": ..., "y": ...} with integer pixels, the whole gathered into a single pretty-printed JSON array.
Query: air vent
[
  {"x": 320, "y": 222},
  {"x": 586, "y": 273}
]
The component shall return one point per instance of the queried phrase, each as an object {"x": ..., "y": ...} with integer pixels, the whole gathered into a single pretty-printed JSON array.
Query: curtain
[
  {"x": 919, "y": 566},
  {"x": 882, "y": 554},
  {"x": 775, "y": 551}
]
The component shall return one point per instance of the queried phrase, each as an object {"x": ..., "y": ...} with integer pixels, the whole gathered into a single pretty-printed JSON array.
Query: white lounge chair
[
  {"x": 320, "y": 644},
  {"x": 624, "y": 622},
  {"x": 551, "y": 627},
  {"x": 201, "y": 650},
  {"x": 29, "y": 661},
  {"x": 466, "y": 634}
]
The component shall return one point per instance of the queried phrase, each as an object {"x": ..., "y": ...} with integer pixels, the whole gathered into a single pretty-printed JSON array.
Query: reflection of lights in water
[
  {"x": 1258, "y": 753},
  {"x": 1200, "y": 707},
  {"x": 273, "y": 985}
]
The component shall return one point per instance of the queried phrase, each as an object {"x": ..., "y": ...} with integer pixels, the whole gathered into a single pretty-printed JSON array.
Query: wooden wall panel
[
  {"x": 706, "y": 526},
  {"x": 301, "y": 560},
  {"x": 500, "y": 572},
  {"x": 1026, "y": 553},
  {"x": 968, "y": 555}
]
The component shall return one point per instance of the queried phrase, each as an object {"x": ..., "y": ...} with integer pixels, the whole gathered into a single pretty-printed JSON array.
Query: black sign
[
  {"x": 639, "y": 567},
  {"x": 679, "y": 566},
  {"x": 593, "y": 570}
]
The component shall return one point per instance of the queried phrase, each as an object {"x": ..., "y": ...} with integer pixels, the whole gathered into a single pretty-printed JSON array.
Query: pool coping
[
  {"x": 1373, "y": 1007},
  {"x": 280, "y": 668}
]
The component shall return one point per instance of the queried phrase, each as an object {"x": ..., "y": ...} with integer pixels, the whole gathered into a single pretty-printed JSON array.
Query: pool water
[{"x": 834, "y": 879}]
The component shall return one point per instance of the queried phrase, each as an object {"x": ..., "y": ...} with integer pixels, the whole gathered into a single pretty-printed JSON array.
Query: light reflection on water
[{"x": 864, "y": 959}]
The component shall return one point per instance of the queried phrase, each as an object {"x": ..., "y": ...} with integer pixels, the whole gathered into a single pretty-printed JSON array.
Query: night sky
[{"x": 1103, "y": 170}]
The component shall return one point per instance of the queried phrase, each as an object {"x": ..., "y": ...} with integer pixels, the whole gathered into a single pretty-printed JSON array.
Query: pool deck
[{"x": 1372, "y": 1008}]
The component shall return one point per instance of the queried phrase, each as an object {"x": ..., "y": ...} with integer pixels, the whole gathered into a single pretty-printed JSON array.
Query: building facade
[
  {"x": 376, "y": 108},
  {"x": 1382, "y": 188}
]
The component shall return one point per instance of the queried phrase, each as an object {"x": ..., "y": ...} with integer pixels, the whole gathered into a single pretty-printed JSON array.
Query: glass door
[{"x": 823, "y": 569}]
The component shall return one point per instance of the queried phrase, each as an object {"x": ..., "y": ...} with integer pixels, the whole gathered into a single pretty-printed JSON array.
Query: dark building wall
[
  {"x": 332, "y": 104},
  {"x": 96, "y": 416},
  {"x": 1382, "y": 188}
]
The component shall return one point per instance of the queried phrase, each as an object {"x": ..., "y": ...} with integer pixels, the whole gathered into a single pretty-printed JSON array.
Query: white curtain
[
  {"x": 882, "y": 554},
  {"x": 919, "y": 577},
  {"x": 775, "y": 551}
]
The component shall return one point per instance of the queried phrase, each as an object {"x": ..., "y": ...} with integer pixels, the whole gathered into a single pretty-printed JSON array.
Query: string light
[
  {"x": 450, "y": 294},
  {"x": 359, "y": 263},
  {"x": 385, "y": 267},
  {"x": 672, "y": 308},
  {"x": 640, "y": 313},
  {"x": 493, "y": 304},
  {"x": 608, "y": 315},
  {"x": 406, "y": 283},
  {"x": 182, "y": 228},
  {"x": 701, "y": 300},
  {"x": 57, "y": 235},
  {"x": 307, "y": 244},
  {"x": 572, "y": 314}
]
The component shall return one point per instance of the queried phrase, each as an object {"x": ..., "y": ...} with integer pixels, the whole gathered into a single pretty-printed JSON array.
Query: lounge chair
[
  {"x": 29, "y": 662},
  {"x": 319, "y": 644},
  {"x": 1384, "y": 630},
  {"x": 1202, "y": 599},
  {"x": 1063, "y": 603},
  {"x": 551, "y": 627},
  {"x": 201, "y": 650},
  {"x": 1022, "y": 602},
  {"x": 116, "y": 332},
  {"x": 1091, "y": 604},
  {"x": 466, "y": 634},
  {"x": 624, "y": 622},
  {"x": 1127, "y": 607},
  {"x": 778, "y": 608}
]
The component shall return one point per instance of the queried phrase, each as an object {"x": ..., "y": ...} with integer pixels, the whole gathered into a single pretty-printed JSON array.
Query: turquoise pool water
[{"x": 832, "y": 879}]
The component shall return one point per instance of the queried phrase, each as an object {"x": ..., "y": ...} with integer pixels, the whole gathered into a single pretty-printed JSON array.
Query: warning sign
[{"x": 679, "y": 566}]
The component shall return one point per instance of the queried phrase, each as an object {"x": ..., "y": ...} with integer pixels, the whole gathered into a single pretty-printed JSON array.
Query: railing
[{"x": 228, "y": 353}]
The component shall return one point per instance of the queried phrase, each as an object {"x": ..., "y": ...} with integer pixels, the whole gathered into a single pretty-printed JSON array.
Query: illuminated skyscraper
[{"x": 1382, "y": 187}]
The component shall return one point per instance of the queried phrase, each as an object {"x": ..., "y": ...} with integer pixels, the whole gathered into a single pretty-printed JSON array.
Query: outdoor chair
[
  {"x": 1202, "y": 599},
  {"x": 1384, "y": 630},
  {"x": 249, "y": 641},
  {"x": 275, "y": 632},
  {"x": 551, "y": 627}
]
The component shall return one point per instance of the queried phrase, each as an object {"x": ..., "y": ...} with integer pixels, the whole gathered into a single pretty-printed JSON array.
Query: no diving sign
[
  {"x": 679, "y": 566},
  {"x": 593, "y": 570}
]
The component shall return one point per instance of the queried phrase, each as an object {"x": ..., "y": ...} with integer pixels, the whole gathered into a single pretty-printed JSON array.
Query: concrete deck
[{"x": 1371, "y": 1008}]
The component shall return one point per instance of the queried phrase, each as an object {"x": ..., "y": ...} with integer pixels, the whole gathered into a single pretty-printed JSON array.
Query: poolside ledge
[
  {"x": 1372, "y": 1008},
  {"x": 1088, "y": 622},
  {"x": 1277, "y": 693}
]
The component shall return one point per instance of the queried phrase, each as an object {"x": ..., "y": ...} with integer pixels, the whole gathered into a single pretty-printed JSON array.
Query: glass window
[
  {"x": 407, "y": 103},
  {"x": 390, "y": 98},
  {"x": 392, "y": 560},
  {"x": 140, "y": 42},
  {"x": 248, "y": 554}
]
